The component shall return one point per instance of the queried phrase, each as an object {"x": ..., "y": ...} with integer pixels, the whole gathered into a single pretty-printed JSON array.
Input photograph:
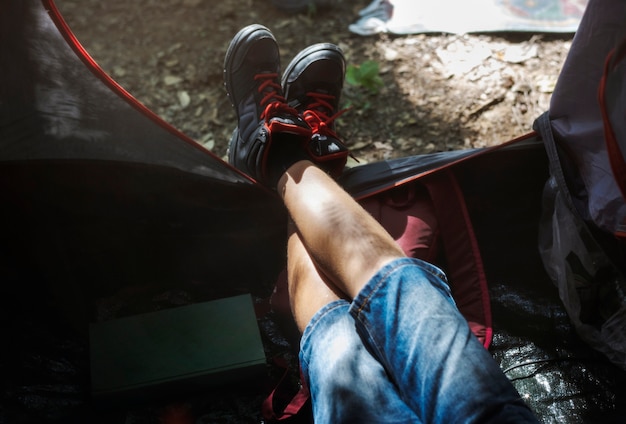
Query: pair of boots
[{"x": 282, "y": 121}]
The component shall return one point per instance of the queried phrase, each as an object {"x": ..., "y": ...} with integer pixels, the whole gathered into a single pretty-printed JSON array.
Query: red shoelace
[
  {"x": 316, "y": 114},
  {"x": 273, "y": 101}
]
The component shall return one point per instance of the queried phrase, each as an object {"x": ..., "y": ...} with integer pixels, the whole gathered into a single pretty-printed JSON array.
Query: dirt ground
[{"x": 441, "y": 91}]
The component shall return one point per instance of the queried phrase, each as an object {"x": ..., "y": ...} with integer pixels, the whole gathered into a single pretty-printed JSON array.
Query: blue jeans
[{"x": 401, "y": 353}]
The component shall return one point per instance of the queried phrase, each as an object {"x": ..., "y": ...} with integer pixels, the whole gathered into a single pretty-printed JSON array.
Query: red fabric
[
  {"x": 433, "y": 224},
  {"x": 408, "y": 215},
  {"x": 293, "y": 408},
  {"x": 463, "y": 261}
]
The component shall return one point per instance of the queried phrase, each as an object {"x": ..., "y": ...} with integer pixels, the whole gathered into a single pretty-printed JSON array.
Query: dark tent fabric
[
  {"x": 107, "y": 193},
  {"x": 108, "y": 212}
]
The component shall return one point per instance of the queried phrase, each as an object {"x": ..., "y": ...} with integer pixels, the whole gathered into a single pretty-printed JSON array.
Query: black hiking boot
[
  {"x": 270, "y": 134},
  {"x": 312, "y": 83}
]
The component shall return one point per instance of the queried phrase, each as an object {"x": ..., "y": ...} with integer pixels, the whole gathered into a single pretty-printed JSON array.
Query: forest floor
[{"x": 440, "y": 91}]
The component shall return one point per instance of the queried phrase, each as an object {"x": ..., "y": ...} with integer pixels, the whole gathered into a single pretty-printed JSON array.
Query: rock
[
  {"x": 171, "y": 63},
  {"x": 118, "y": 71},
  {"x": 172, "y": 80},
  {"x": 184, "y": 99}
]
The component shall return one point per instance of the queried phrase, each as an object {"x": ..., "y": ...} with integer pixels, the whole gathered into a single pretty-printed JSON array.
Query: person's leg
[
  {"x": 347, "y": 384},
  {"x": 346, "y": 242},
  {"x": 308, "y": 290},
  {"x": 403, "y": 308}
]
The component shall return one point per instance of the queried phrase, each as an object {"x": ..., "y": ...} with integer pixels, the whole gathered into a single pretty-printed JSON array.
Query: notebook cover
[{"x": 189, "y": 348}]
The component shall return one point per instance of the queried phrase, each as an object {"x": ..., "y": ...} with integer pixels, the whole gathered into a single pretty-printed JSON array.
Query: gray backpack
[{"x": 583, "y": 228}]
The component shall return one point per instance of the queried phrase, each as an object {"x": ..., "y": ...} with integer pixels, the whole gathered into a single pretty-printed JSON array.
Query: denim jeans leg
[
  {"x": 347, "y": 384},
  {"x": 406, "y": 316}
]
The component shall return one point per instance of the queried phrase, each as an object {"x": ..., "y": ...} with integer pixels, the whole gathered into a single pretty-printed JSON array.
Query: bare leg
[
  {"x": 309, "y": 291},
  {"x": 344, "y": 241}
]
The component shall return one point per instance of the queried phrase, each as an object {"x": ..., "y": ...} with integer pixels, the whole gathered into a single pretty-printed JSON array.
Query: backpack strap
[
  {"x": 296, "y": 403},
  {"x": 464, "y": 264}
]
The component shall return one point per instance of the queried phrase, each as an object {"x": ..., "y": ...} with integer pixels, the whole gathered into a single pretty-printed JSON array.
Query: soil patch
[{"x": 441, "y": 92}]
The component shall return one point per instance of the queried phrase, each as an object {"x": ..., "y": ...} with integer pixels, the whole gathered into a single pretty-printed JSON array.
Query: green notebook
[{"x": 184, "y": 349}]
